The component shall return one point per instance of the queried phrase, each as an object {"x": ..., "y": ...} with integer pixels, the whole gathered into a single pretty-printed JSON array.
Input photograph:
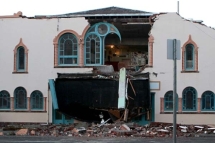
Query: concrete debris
[
  {"x": 117, "y": 129},
  {"x": 22, "y": 132}
]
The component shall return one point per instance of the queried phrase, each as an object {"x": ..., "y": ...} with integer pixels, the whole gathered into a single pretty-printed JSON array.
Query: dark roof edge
[{"x": 93, "y": 15}]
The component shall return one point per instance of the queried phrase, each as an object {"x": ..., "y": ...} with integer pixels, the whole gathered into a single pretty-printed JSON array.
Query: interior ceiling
[
  {"x": 133, "y": 30},
  {"x": 128, "y": 27}
]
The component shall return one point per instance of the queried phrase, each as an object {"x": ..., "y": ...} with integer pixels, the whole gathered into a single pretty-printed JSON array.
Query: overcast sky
[{"x": 195, "y": 9}]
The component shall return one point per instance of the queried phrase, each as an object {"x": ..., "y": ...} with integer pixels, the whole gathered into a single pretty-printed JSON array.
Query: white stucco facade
[
  {"x": 172, "y": 26},
  {"x": 38, "y": 36}
]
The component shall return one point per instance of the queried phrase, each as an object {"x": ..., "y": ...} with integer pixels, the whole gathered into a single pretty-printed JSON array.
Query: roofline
[{"x": 93, "y": 15}]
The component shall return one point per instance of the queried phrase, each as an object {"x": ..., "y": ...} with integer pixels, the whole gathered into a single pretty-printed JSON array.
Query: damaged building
[{"x": 106, "y": 64}]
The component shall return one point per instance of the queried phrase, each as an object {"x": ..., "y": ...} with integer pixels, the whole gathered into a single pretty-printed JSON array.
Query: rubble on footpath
[{"x": 117, "y": 129}]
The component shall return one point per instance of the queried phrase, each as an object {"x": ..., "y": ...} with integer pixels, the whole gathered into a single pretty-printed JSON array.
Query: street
[{"x": 30, "y": 139}]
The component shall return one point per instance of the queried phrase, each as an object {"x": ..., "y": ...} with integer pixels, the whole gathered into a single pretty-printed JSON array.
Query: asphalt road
[{"x": 30, "y": 139}]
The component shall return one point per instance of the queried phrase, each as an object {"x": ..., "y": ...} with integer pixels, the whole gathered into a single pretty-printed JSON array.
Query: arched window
[
  {"x": 68, "y": 49},
  {"x": 93, "y": 49},
  {"x": 168, "y": 101},
  {"x": 189, "y": 96},
  {"x": 4, "y": 100},
  {"x": 20, "y": 96},
  {"x": 189, "y": 57},
  {"x": 20, "y": 58},
  {"x": 208, "y": 100},
  {"x": 94, "y": 41},
  {"x": 36, "y": 100}
]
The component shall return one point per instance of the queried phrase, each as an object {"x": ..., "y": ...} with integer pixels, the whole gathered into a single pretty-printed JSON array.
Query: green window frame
[
  {"x": 93, "y": 49},
  {"x": 207, "y": 101},
  {"x": 68, "y": 50},
  {"x": 4, "y": 100},
  {"x": 20, "y": 96},
  {"x": 95, "y": 39},
  {"x": 21, "y": 59},
  {"x": 168, "y": 101},
  {"x": 189, "y": 96},
  {"x": 36, "y": 100}
]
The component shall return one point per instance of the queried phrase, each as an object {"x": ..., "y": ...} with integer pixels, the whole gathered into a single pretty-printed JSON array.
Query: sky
[{"x": 189, "y": 9}]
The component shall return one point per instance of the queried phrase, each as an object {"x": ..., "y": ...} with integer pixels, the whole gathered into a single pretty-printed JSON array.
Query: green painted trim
[
  {"x": 53, "y": 93},
  {"x": 121, "y": 102}
]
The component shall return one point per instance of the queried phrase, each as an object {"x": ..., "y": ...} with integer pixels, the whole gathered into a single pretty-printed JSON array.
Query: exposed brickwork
[
  {"x": 12, "y": 103},
  {"x": 28, "y": 104},
  {"x": 150, "y": 50},
  {"x": 199, "y": 105},
  {"x": 161, "y": 104},
  {"x": 81, "y": 58},
  {"x": 179, "y": 105},
  {"x": 45, "y": 104}
]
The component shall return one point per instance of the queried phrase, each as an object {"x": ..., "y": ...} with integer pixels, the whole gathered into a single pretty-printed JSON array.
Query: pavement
[{"x": 39, "y": 139}]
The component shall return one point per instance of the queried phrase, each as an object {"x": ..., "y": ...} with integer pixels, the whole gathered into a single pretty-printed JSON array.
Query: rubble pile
[{"x": 118, "y": 129}]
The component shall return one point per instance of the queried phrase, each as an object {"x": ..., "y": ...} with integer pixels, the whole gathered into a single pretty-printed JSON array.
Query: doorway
[{"x": 60, "y": 118}]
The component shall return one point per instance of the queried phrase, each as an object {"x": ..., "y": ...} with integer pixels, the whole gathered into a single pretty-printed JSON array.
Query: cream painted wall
[
  {"x": 172, "y": 26},
  {"x": 198, "y": 119},
  {"x": 33, "y": 117},
  {"x": 37, "y": 35}
]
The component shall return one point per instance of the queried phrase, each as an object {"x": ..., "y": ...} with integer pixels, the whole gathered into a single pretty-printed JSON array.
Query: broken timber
[{"x": 85, "y": 96}]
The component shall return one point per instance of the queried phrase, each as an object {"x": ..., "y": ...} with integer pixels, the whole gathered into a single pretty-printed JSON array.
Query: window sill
[
  {"x": 18, "y": 110},
  {"x": 4, "y": 109},
  {"x": 24, "y": 111},
  {"x": 189, "y": 71},
  {"x": 69, "y": 67},
  {"x": 17, "y": 72},
  {"x": 35, "y": 110},
  {"x": 188, "y": 112}
]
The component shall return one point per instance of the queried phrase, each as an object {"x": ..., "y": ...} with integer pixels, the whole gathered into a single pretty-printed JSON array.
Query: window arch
[
  {"x": 208, "y": 101},
  {"x": 20, "y": 96},
  {"x": 190, "y": 56},
  {"x": 4, "y": 100},
  {"x": 168, "y": 101},
  {"x": 95, "y": 39},
  {"x": 189, "y": 97},
  {"x": 66, "y": 48},
  {"x": 36, "y": 100},
  {"x": 20, "y": 58},
  {"x": 93, "y": 49}
]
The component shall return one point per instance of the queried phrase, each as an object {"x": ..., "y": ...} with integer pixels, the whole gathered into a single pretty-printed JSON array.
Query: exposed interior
[{"x": 132, "y": 50}]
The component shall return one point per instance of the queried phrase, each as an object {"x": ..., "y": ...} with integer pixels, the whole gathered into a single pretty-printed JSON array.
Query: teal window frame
[
  {"x": 189, "y": 96},
  {"x": 168, "y": 101},
  {"x": 190, "y": 55},
  {"x": 18, "y": 64},
  {"x": 20, "y": 98},
  {"x": 208, "y": 100},
  {"x": 98, "y": 50},
  {"x": 36, "y": 99},
  {"x": 95, "y": 29},
  {"x": 4, "y": 100},
  {"x": 71, "y": 39}
]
